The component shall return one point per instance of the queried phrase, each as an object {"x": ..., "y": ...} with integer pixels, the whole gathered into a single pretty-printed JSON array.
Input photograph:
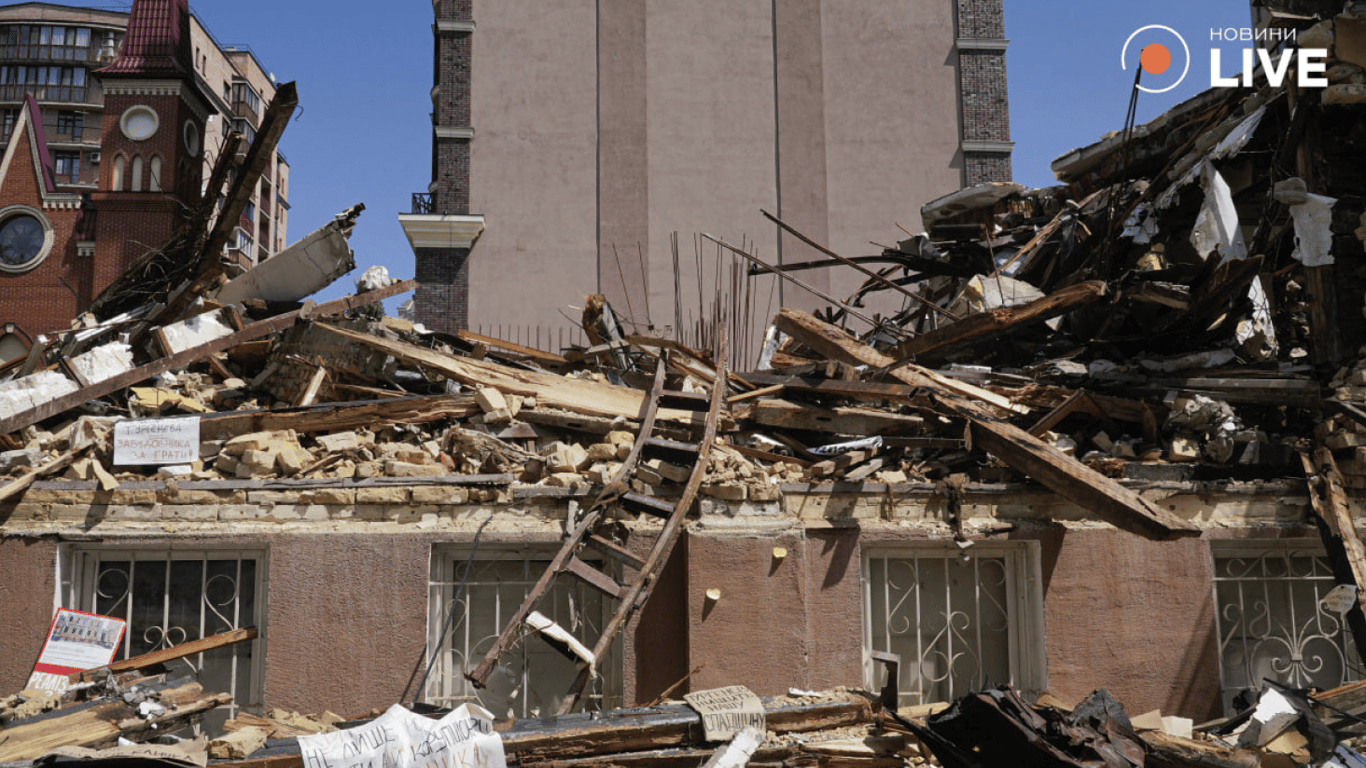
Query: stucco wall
[
  {"x": 27, "y": 583},
  {"x": 1133, "y": 616},
  {"x": 778, "y": 624}
]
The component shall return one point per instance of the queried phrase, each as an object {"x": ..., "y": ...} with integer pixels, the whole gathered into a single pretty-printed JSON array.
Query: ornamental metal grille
[
  {"x": 532, "y": 677},
  {"x": 960, "y": 620},
  {"x": 1273, "y": 624},
  {"x": 172, "y": 597}
]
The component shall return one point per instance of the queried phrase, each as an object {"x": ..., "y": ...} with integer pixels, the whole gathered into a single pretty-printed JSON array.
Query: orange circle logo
[{"x": 1155, "y": 59}]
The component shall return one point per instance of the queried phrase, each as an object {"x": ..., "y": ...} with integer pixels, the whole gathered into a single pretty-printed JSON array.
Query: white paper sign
[
  {"x": 1341, "y": 598},
  {"x": 401, "y": 739},
  {"x": 156, "y": 441}
]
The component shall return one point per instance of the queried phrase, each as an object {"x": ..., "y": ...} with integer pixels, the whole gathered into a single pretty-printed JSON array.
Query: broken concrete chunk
[
  {"x": 261, "y": 462},
  {"x": 291, "y": 460},
  {"x": 565, "y": 458},
  {"x": 335, "y": 443},
  {"x": 1344, "y": 93},
  {"x": 490, "y": 399},
  {"x": 1291, "y": 191},
  {"x": 24, "y": 457},
  {"x": 395, "y": 468}
]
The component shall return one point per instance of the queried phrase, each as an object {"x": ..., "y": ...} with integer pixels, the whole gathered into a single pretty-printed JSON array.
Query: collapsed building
[{"x": 1113, "y": 440}]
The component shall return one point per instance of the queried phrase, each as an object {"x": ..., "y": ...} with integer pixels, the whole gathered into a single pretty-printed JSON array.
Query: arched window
[
  {"x": 116, "y": 183},
  {"x": 135, "y": 183},
  {"x": 154, "y": 184}
]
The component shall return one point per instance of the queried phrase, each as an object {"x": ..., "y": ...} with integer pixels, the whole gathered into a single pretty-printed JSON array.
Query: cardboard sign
[
  {"x": 76, "y": 641},
  {"x": 186, "y": 754},
  {"x": 156, "y": 441},
  {"x": 400, "y": 739},
  {"x": 727, "y": 711}
]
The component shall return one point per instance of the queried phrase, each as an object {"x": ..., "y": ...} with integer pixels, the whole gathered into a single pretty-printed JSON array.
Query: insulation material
[
  {"x": 1216, "y": 228},
  {"x": 32, "y": 391},
  {"x": 297, "y": 272},
  {"x": 102, "y": 363},
  {"x": 1313, "y": 230},
  {"x": 193, "y": 331}
]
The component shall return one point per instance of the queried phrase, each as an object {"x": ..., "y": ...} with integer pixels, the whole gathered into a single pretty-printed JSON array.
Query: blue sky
[{"x": 364, "y": 74}]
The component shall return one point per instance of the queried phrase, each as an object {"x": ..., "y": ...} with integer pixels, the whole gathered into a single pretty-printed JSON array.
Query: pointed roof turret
[{"x": 157, "y": 42}]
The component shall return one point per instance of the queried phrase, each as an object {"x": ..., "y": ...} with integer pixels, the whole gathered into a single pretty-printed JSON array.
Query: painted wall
[
  {"x": 27, "y": 582},
  {"x": 601, "y": 129}
]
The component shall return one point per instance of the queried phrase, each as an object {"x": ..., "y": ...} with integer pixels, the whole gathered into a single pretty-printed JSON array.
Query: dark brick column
[
  {"x": 442, "y": 298},
  {"x": 983, "y": 95}
]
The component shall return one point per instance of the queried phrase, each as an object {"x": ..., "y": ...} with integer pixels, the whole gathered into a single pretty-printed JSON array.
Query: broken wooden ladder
[{"x": 633, "y": 593}]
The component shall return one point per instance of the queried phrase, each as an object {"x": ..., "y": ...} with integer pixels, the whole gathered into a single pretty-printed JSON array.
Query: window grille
[
  {"x": 172, "y": 597},
  {"x": 961, "y": 620},
  {"x": 1272, "y": 622},
  {"x": 532, "y": 677}
]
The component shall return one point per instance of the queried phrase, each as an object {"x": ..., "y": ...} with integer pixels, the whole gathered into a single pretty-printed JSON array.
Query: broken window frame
[
  {"x": 1307, "y": 631},
  {"x": 1014, "y": 566},
  {"x": 80, "y": 565},
  {"x": 447, "y": 685}
]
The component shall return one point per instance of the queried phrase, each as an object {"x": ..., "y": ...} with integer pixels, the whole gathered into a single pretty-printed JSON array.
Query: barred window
[
  {"x": 1272, "y": 621},
  {"x": 170, "y": 597},
  {"x": 961, "y": 619},
  {"x": 532, "y": 676}
]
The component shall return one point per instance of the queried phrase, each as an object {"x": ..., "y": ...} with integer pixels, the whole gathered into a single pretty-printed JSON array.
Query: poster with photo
[{"x": 76, "y": 641}]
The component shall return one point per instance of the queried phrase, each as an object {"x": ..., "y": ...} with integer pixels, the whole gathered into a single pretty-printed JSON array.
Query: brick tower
[{"x": 154, "y": 127}]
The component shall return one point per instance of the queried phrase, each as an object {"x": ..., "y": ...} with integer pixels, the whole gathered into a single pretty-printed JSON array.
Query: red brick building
[{"x": 120, "y": 115}]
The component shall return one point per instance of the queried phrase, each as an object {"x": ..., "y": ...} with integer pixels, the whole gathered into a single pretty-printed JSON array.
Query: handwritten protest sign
[
  {"x": 727, "y": 711},
  {"x": 76, "y": 641},
  {"x": 401, "y": 739},
  {"x": 156, "y": 441}
]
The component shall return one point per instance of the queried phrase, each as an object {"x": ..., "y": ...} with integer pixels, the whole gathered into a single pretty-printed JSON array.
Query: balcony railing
[
  {"x": 71, "y": 93},
  {"x": 424, "y": 202}
]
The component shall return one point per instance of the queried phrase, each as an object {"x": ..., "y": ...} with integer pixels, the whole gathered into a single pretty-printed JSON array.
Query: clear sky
[{"x": 364, "y": 71}]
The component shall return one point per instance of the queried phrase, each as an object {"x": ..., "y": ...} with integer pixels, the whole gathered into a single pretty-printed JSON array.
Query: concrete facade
[
  {"x": 571, "y": 145},
  {"x": 771, "y": 595}
]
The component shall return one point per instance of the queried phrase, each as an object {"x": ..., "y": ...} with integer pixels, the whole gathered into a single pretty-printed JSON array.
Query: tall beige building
[{"x": 572, "y": 141}]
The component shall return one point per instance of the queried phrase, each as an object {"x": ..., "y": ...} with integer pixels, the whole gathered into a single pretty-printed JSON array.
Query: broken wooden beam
[
  {"x": 333, "y": 417},
  {"x": 1338, "y": 530},
  {"x": 1093, "y": 492},
  {"x": 1001, "y": 320},
  {"x": 164, "y": 655},
  {"x": 840, "y": 420},
  {"x": 180, "y": 360}
]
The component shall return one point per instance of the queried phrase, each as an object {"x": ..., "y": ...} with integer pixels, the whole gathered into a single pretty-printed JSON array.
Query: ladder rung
[
  {"x": 648, "y": 505},
  {"x": 672, "y": 451},
  {"x": 595, "y": 578},
  {"x": 684, "y": 401},
  {"x": 611, "y": 549}
]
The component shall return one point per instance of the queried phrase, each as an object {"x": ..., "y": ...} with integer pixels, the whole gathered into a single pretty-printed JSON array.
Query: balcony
[
  {"x": 424, "y": 202},
  {"x": 64, "y": 93}
]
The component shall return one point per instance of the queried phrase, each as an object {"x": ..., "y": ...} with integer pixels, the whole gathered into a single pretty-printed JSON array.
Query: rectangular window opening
[
  {"x": 1271, "y": 619},
  {"x": 532, "y": 677},
  {"x": 960, "y": 619},
  {"x": 170, "y": 597}
]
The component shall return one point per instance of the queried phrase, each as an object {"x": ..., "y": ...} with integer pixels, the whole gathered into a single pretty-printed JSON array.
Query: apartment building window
[
  {"x": 961, "y": 619},
  {"x": 1272, "y": 621},
  {"x": 71, "y": 124},
  {"x": 245, "y": 243},
  {"x": 245, "y": 128},
  {"x": 66, "y": 167},
  {"x": 7, "y": 119},
  {"x": 532, "y": 677},
  {"x": 172, "y": 596},
  {"x": 243, "y": 96},
  {"x": 26, "y": 41},
  {"x": 45, "y": 83}
]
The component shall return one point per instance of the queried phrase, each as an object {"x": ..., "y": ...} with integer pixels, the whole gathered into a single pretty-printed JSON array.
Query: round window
[
  {"x": 192, "y": 138},
  {"x": 139, "y": 123},
  {"x": 24, "y": 241}
]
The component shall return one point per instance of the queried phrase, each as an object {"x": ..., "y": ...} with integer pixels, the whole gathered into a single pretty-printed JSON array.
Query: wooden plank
[
  {"x": 1002, "y": 320},
  {"x": 185, "y": 358},
  {"x": 839, "y": 420},
  {"x": 315, "y": 383},
  {"x": 22, "y": 482},
  {"x": 754, "y": 394},
  {"x": 1070, "y": 479},
  {"x": 170, "y": 654},
  {"x": 549, "y": 389},
  {"x": 1329, "y": 501},
  {"x": 834, "y": 344},
  {"x": 491, "y": 341}
]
